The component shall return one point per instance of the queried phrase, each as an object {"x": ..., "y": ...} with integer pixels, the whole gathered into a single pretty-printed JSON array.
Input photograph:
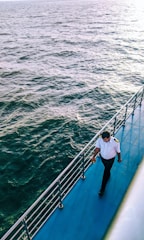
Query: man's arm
[{"x": 96, "y": 151}]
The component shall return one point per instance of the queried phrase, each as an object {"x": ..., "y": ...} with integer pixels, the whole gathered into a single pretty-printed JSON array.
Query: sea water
[{"x": 65, "y": 68}]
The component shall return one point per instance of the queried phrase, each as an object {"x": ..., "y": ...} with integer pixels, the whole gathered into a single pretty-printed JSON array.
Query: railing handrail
[{"x": 57, "y": 180}]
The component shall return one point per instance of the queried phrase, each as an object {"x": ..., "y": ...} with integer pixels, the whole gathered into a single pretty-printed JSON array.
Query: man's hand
[
  {"x": 96, "y": 151},
  {"x": 93, "y": 159},
  {"x": 119, "y": 157}
]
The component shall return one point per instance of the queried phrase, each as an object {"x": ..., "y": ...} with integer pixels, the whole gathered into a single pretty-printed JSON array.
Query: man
[{"x": 108, "y": 147}]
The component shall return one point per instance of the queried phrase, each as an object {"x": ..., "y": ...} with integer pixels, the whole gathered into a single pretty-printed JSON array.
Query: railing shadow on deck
[{"x": 33, "y": 219}]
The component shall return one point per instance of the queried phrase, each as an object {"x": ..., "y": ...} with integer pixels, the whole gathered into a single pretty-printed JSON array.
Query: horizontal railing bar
[
  {"x": 78, "y": 174},
  {"x": 69, "y": 189},
  {"x": 46, "y": 198},
  {"x": 42, "y": 218},
  {"x": 91, "y": 149},
  {"x": 43, "y": 222},
  {"x": 20, "y": 237},
  {"x": 16, "y": 233},
  {"x": 55, "y": 205},
  {"x": 46, "y": 206},
  {"x": 71, "y": 171}
]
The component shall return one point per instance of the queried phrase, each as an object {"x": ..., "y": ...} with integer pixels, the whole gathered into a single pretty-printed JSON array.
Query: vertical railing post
[
  {"x": 125, "y": 116},
  {"x": 142, "y": 95},
  {"x": 114, "y": 127},
  {"x": 134, "y": 106},
  {"x": 60, "y": 195},
  {"x": 83, "y": 167},
  {"x": 26, "y": 229}
]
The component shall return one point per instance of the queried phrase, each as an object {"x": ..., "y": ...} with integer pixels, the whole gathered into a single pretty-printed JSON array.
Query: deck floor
[{"x": 85, "y": 216}]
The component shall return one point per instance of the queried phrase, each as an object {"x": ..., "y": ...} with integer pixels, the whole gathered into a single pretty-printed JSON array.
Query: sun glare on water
[
  {"x": 137, "y": 7},
  {"x": 138, "y": 3}
]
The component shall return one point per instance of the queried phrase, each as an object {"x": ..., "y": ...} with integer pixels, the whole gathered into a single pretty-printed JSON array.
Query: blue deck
[{"x": 85, "y": 215}]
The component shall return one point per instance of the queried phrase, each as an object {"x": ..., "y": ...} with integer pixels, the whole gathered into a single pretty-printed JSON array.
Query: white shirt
[{"x": 109, "y": 149}]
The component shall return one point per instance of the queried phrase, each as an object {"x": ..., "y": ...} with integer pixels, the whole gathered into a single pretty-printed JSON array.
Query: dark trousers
[{"x": 107, "y": 167}]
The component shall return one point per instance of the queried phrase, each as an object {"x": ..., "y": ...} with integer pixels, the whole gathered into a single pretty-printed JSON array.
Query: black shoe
[{"x": 101, "y": 193}]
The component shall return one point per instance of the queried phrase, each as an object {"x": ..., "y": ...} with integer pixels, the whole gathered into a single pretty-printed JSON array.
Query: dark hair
[{"x": 105, "y": 134}]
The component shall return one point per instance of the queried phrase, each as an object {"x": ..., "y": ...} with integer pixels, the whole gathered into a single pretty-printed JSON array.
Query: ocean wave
[{"x": 9, "y": 74}]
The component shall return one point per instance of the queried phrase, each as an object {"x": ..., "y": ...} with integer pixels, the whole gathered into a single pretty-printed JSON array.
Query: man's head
[{"x": 106, "y": 136}]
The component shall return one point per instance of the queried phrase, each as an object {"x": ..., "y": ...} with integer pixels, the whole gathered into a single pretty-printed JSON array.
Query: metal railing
[{"x": 33, "y": 219}]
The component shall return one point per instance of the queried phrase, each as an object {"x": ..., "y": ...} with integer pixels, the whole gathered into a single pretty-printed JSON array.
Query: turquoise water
[{"x": 66, "y": 67}]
